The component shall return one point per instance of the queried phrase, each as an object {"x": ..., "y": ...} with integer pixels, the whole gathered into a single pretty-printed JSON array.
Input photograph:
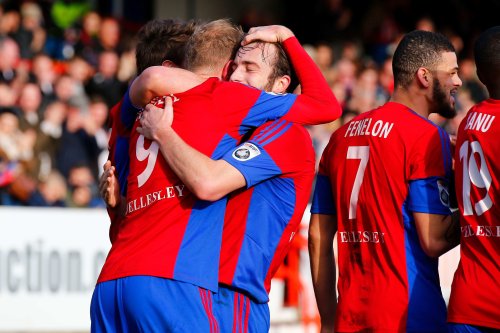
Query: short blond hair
[{"x": 212, "y": 45}]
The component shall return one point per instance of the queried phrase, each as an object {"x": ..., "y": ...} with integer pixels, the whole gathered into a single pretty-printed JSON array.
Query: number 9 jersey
[
  {"x": 376, "y": 171},
  {"x": 475, "y": 292}
]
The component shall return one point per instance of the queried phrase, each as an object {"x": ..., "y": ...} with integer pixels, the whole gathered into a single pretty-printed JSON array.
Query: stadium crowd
[{"x": 62, "y": 70}]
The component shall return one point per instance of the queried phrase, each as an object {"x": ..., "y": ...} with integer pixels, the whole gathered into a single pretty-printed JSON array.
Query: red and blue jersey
[
  {"x": 118, "y": 146},
  {"x": 261, "y": 220},
  {"x": 376, "y": 171},
  {"x": 167, "y": 232},
  {"x": 475, "y": 292}
]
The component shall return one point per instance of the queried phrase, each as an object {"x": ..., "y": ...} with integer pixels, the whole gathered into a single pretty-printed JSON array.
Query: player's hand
[
  {"x": 109, "y": 189},
  {"x": 155, "y": 121},
  {"x": 269, "y": 33}
]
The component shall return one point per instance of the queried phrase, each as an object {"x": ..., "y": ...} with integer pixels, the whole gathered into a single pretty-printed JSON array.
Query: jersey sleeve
[
  {"x": 323, "y": 195},
  {"x": 266, "y": 107},
  {"x": 128, "y": 112},
  {"x": 118, "y": 155},
  {"x": 275, "y": 149},
  {"x": 316, "y": 104},
  {"x": 122, "y": 119},
  {"x": 430, "y": 174}
]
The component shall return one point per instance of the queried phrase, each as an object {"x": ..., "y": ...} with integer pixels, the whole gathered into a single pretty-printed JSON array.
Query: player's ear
[
  {"x": 227, "y": 70},
  {"x": 281, "y": 84},
  {"x": 424, "y": 77},
  {"x": 168, "y": 63}
]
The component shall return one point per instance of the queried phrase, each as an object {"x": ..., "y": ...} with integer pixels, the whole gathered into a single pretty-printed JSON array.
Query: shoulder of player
[{"x": 289, "y": 139}]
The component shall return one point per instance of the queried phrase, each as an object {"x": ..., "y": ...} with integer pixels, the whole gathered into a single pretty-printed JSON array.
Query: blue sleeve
[
  {"x": 128, "y": 112},
  {"x": 429, "y": 195},
  {"x": 323, "y": 197},
  {"x": 268, "y": 106},
  {"x": 253, "y": 162},
  {"x": 121, "y": 162}
]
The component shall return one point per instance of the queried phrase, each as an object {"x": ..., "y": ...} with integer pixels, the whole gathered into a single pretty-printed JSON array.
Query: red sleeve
[{"x": 317, "y": 103}]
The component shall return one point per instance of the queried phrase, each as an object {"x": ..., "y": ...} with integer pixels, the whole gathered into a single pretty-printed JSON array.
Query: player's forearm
[
  {"x": 317, "y": 103},
  {"x": 323, "y": 276},
  {"x": 207, "y": 179},
  {"x": 147, "y": 85},
  {"x": 161, "y": 81},
  {"x": 320, "y": 242},
  {"x": 437, "y": 233},
  {"x": 447, "y": 235}
]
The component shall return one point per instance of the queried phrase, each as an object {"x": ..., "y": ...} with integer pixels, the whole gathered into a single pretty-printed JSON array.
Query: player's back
[
  {"x": 167, "y": 232},
  {"x": 475, "y": 297},
  {"x": 261, "y": 221},
  {"x": 386, "y": 282}
]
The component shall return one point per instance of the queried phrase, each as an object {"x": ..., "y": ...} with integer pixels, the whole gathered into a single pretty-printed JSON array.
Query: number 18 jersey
[
  {"x": 375, "y": 172},
  {"x": 475, "y": 292}
]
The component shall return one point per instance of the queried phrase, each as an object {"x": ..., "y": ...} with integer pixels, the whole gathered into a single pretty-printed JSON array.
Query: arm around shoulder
[{"x": 160, "y": 81}]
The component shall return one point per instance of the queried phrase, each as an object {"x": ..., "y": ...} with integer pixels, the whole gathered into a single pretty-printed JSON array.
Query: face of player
[
  {"x": 445, "y": 85},
  {"x": 253, "y": 66}
]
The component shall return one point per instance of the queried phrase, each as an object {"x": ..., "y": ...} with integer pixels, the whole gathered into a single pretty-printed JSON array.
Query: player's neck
[
  {"x": 411, "y": 99},
  {"x": 207, "y": 72}
]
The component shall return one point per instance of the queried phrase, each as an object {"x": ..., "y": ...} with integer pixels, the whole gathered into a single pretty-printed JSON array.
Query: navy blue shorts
[{"x": 151, "y": 304}]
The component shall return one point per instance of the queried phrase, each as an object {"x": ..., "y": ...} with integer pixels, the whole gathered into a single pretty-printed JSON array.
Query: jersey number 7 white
[{"x": 361, "y": 153}]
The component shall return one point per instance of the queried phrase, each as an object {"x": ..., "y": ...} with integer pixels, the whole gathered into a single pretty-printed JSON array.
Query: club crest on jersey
[
  {"x": 444, "y": 196},
  {"x": 246, "y": 152}
]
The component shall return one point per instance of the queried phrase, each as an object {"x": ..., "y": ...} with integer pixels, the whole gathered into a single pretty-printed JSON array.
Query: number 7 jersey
[
  {"x": 375, "y": 172},
  {"x": 475, "y": 292}
]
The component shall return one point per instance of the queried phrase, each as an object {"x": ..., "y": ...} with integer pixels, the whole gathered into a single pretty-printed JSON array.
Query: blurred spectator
[
  {"x": 9, "y": 59},
  {"x": 50, "y": 192},
  {"x": 109, "y": 35},
  {"x": 425, "y": 23},
  {"x": 14, "y": 145},
  {"x": 91, "y": 24},
  {"x": 83, "y": 190},
  {"x": 71, "y": 91},
  {"x": 367, "y": 94},
  {"x": 471, "y": 83},
  {"x": 87, "y": 46},
  {"x": 79, "y": 70},
  {"x": 324, "y": 58},
  {"x": 30, "y": 102},
  {"x": 16, "y": 149},
  {"x": 386, "y": 78},
  {"x": 8, "y": 95},
  {"x": 49, "y": 139},
  {"x": 30, "y": 34},
  {"x": 78, "y": 146},
  {"x": 105, "y": 82},
  {"x": 96, "y": 127},
  {"x": 44, "y": 73},
  {"x": 9, "y": 23},
  {"x": 127, "y": 68}
]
